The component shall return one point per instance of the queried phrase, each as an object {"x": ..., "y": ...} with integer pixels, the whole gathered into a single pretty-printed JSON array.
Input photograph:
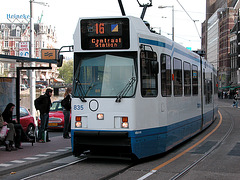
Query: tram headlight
[
  {"x": 100, "y": 116},
  {"x": 78, "y": 123},
  {"x": 125, "y": 122}
]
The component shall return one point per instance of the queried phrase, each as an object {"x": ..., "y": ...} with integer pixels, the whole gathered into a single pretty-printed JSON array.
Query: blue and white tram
[{"x": 135, "y": 92}]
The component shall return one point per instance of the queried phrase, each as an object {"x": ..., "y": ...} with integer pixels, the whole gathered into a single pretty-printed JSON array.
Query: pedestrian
[
  {"x": 236, "y": 98},
  {"x": 43, "y": 104},
  {"x": 20, "y": 134},
  {"x": 9, "y": 139},
  {"x": 66, "y": 104}
]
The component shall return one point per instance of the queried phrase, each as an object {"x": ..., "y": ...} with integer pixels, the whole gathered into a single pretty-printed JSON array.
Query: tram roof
[{"x": 9, "y": 58}]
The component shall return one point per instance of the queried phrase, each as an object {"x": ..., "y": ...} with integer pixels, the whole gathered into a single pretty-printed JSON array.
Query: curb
[{"x": 19, "y": 167}]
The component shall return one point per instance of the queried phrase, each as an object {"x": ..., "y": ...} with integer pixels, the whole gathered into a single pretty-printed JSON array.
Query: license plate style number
[{"x": 52, "y": 124}]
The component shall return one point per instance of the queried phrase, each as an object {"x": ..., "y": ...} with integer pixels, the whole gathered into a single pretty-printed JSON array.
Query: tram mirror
[
  {"x": 60, "y": 61},
  {"x": 154, "y": 67}
]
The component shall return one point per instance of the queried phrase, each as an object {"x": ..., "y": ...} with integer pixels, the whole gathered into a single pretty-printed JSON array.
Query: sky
[{"x": 64, "y": 15}]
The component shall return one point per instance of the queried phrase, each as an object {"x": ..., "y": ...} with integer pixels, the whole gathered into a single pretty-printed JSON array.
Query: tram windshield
[{"x": 104, "y": 75}]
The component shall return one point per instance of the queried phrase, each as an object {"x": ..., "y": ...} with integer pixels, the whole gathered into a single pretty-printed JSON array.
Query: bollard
[
  {"x": 36, "y": 134},
  {"x": 45, "y": 136}
]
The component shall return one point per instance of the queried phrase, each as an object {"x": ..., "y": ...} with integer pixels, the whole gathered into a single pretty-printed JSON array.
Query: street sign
[
  {"x": 24, "y": 49},
  {"x": 50, "y": 53}
]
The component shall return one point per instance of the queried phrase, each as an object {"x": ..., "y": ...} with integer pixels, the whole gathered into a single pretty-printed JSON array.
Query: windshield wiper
[
  {"x": 82, "y": 96},
  {"x": 125, "y": 89}
]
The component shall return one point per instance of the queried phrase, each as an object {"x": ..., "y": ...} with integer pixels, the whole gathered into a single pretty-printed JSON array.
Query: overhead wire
[{"x": 194, "y": 21}]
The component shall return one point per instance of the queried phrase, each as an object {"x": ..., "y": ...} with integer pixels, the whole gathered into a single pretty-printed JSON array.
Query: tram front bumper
[{"x": 102, "y": 143}]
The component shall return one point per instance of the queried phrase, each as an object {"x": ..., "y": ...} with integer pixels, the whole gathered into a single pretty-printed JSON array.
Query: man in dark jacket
[{"x": 44, "y": 103}]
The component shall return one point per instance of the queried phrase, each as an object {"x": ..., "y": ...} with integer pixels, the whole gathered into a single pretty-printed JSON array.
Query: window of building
[
  {"x": 5, "y": 43},
  {"x": 149, "y": 87},
  {"x": 13, "y": 26},
  {"x": 166, "y": 78},
  {"x": 16, "y": 44},
  {"x": 177, "y": 80},
  {"x": 6, "y": 33},
  {"x": 3, "y": 26},
  {"x": 187, "y": 78},
  {"x": 195, "y": 79},
  {"x": 23, "y": 26},
  {"x": 37, "y": 44},
  {"x": 18, "y": 32}
]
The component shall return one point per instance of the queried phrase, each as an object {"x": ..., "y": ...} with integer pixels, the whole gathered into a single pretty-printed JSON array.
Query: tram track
[
  {"x": 191, "y": 166},
  {"x": 176, "y": 176},
  {"x": 53, "y": 169}
]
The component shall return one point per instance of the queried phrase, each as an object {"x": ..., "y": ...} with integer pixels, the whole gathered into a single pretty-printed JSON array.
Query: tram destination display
[{"x": 105, "y": 34}]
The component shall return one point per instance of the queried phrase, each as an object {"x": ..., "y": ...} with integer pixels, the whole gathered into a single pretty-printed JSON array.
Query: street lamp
[
  {"x": 32, "y": 26},
  {"x": 161, "y": 7},
  {"x": 32, "y": 72}
]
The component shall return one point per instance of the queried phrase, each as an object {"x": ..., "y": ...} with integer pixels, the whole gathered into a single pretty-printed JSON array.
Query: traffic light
[{"x": 60, "y": 61}]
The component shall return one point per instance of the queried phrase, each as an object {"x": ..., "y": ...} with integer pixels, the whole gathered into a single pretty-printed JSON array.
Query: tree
[{"x": 66, "y": 71}]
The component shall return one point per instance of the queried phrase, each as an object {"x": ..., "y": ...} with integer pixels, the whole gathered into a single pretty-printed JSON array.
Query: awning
[
  {"x": 230, "y": 87},
  {"x": 58, "y": 80}
]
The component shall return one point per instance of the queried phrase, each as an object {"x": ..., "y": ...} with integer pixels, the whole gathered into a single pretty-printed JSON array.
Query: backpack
[{"x": 37, "y": 104}]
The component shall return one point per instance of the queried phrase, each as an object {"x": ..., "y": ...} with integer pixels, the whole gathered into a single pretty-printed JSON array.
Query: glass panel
[
  {"x": 187, "y": 79},
  {"x": 54, "y": 106},
  {"x": 148, "y": 79},
  {"x": 177, "y": 82},
  {"x": 166, "y": 79},
  {"x": 104, "y": 76},
  {"x": 195, "y": 79},
  {"x": 23, "y": 112}
]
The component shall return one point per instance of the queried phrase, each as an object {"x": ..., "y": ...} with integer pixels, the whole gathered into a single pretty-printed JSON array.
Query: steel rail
[{"x": 188, "y": 168}]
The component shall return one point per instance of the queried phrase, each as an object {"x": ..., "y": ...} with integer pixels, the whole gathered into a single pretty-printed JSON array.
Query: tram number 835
[{"x": 78, "y": 107}]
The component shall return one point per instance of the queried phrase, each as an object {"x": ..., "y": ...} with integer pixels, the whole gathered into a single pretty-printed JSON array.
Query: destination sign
[{"x": 105, "y": 34}]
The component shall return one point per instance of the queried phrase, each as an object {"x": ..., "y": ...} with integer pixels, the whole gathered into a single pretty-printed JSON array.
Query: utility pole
[{"x": 33, "y": 64}]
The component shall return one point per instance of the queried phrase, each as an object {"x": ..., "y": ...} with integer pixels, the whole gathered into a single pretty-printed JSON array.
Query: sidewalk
[{"x": 31, "y": 155}]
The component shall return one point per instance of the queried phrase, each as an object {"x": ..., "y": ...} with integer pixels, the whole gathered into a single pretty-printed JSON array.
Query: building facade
[
  {"x": 226, "y": 23},
  {"x": 221, "y": 16},
  {"x": 11, "y": 34}
]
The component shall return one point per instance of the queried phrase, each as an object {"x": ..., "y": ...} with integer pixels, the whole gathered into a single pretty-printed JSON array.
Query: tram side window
[
  {"x": 195, "y": 80},
  {"x": 187, "y": 79},
  {"x": 149, "y": 87},
  {"x": 166, "y": 83},
  {"x": 208, "y": 88},
  {"x": 204, "y": 82},
  {"x": 177, "y": 81}
]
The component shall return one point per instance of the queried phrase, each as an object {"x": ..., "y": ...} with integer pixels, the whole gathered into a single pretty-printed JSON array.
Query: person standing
[
  {"x": 236, "y": 98},
  {"x": 66, "y": 104},
  {"x": 20, "y": 134},
  {"x": 43, "y": 104}
]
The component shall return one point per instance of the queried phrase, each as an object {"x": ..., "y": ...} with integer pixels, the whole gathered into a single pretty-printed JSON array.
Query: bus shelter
[{"x": 17, "y": 65}]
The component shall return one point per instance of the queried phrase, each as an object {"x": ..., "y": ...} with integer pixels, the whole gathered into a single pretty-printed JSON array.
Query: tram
[{"x": 136, "y": 93}]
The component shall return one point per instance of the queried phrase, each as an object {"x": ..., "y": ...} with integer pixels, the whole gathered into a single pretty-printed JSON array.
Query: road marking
[
  {"x": 42, "y": 155},
  {"x": 18, "y": 161},
  {"x": 182, "y": 153},
  {"x": 62, "y": 150},
  {"x": 34, "y": 158},
  {"x": 31, "y": 158},
  {"x": 5, "y": 165},
  {"x": 55, "y": 152}
]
